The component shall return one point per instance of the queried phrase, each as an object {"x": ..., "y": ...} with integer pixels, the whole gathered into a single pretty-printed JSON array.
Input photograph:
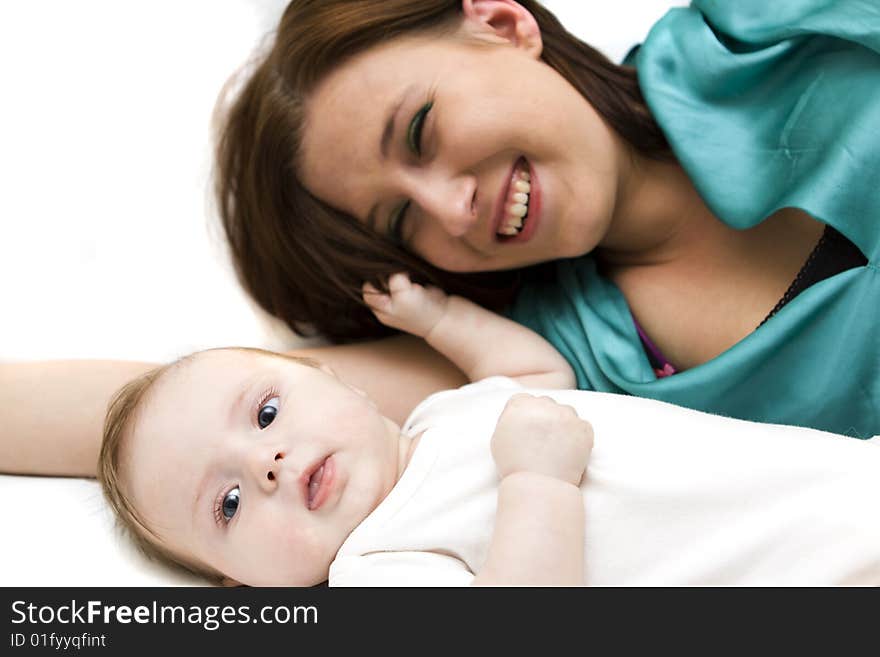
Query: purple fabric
[{"x": 662, "y": 366}]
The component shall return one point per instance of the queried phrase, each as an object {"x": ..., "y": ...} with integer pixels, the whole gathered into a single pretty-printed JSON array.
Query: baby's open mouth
[
  {"x": 516, "y": 205},
  {"x": 315, "y": 484}
]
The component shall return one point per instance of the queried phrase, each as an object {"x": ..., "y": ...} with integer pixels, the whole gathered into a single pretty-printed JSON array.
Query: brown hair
[
  {"x": 304, "y": 261},
  {"x": 121, "y": 417}
]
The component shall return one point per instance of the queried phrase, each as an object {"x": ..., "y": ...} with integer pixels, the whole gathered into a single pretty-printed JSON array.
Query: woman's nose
[
  {"x": 264, "y": 465},
  {"x": 451, "y": 202}
]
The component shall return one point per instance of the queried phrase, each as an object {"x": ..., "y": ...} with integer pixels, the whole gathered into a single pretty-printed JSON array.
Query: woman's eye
[
  {"x": 267, "y": 412},
  {"x": 230, "y": 503},
  {"x": 395, "y": 226},
  {"x": 414, "y": 133}
]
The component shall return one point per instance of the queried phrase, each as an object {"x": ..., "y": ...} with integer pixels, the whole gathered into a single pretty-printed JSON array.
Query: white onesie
[{"x": 672, "y": 497}]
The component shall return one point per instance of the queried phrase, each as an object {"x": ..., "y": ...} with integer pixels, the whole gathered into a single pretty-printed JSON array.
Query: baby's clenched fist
[
  {"x": 408, "y": 306},
  {"x": 537, "y": 434}
]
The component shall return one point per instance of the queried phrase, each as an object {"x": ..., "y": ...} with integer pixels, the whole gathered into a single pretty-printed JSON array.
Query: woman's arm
[{"x": 52, "y": 412}]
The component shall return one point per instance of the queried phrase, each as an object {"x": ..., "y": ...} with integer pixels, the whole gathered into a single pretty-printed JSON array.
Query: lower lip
[
  {"x": 534, "y": 211},
  {"x": 325, "y": 486}
]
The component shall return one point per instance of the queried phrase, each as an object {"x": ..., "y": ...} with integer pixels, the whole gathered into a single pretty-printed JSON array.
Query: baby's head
[{"x": 245, "y": 465}]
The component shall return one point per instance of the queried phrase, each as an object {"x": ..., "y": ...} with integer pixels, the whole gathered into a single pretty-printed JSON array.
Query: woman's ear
[{"x": 507, "y": 20}]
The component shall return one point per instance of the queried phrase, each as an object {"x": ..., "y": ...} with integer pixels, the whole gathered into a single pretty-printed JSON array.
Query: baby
[
  {"x": 255, "y": 468},
  {"x": 261, "y": 469}
]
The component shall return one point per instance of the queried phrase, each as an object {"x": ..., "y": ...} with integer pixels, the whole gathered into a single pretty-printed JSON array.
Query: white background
[{"x": 108, "y": 246}]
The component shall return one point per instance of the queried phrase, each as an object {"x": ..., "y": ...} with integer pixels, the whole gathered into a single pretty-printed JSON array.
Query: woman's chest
[{"x": 696, "y": 307}]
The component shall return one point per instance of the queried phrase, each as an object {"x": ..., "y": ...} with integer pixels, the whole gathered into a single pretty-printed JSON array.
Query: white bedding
[{"x": 61, "y": 533}]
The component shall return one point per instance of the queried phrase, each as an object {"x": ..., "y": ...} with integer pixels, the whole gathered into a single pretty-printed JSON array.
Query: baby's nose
[{"x": 265, "y": 466}]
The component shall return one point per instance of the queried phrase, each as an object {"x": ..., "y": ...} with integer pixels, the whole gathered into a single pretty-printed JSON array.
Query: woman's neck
[
  {"x": 668, "y": 253},
  {"x": 658, "y": 215}
]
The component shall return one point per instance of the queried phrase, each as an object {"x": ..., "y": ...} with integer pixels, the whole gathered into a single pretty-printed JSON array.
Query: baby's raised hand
[
  {"x": 537, "y": 434},
  {"x": 408, "y": 306}
]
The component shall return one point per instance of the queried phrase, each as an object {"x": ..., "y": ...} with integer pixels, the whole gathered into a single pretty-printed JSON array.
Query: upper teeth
[{"x": 517, "y": 206}]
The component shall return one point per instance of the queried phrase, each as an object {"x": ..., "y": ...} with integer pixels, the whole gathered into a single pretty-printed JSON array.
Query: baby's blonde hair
[{"x": 121, "y": 417}]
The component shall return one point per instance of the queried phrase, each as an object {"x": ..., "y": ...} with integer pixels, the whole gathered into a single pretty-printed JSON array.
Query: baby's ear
[{"x": 228, "y": 581}]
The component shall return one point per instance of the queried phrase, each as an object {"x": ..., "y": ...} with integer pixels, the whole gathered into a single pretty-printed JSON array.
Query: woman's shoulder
[
  {"x": 705, "y": 70},
  {"x": 759, "y": 22}
]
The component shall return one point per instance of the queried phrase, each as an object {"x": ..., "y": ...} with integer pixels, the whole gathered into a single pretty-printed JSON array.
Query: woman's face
[{"x": 445, "y": 142}]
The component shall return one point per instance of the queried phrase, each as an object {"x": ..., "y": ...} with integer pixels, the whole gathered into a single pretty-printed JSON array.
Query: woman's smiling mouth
[{"x": 516, "y": 205}]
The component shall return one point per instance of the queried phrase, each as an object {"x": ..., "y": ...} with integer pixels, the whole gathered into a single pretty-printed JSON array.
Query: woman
[
  {"x": 693, "y": 201},
  {"x": 426, "y": 131}
]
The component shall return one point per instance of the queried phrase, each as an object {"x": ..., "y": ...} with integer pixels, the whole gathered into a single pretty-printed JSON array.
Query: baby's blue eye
[
  {"x": 230, "y": 503},
  {"x": 267, "y": 412}
]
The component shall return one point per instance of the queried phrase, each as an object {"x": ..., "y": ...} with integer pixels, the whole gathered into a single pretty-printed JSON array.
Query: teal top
[{"x": 766, "y": 105}]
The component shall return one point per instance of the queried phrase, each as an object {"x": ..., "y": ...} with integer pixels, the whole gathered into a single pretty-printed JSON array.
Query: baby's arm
[
  {"x": 541, "y": 449},
  {"x": 481, "y": 343}
]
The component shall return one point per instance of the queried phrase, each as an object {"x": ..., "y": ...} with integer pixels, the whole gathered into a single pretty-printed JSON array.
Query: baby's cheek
[
  {"x": 302, "y": 558},
  {"x": 352, "y": 417},
  {"x": 276, "y": 554}
]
